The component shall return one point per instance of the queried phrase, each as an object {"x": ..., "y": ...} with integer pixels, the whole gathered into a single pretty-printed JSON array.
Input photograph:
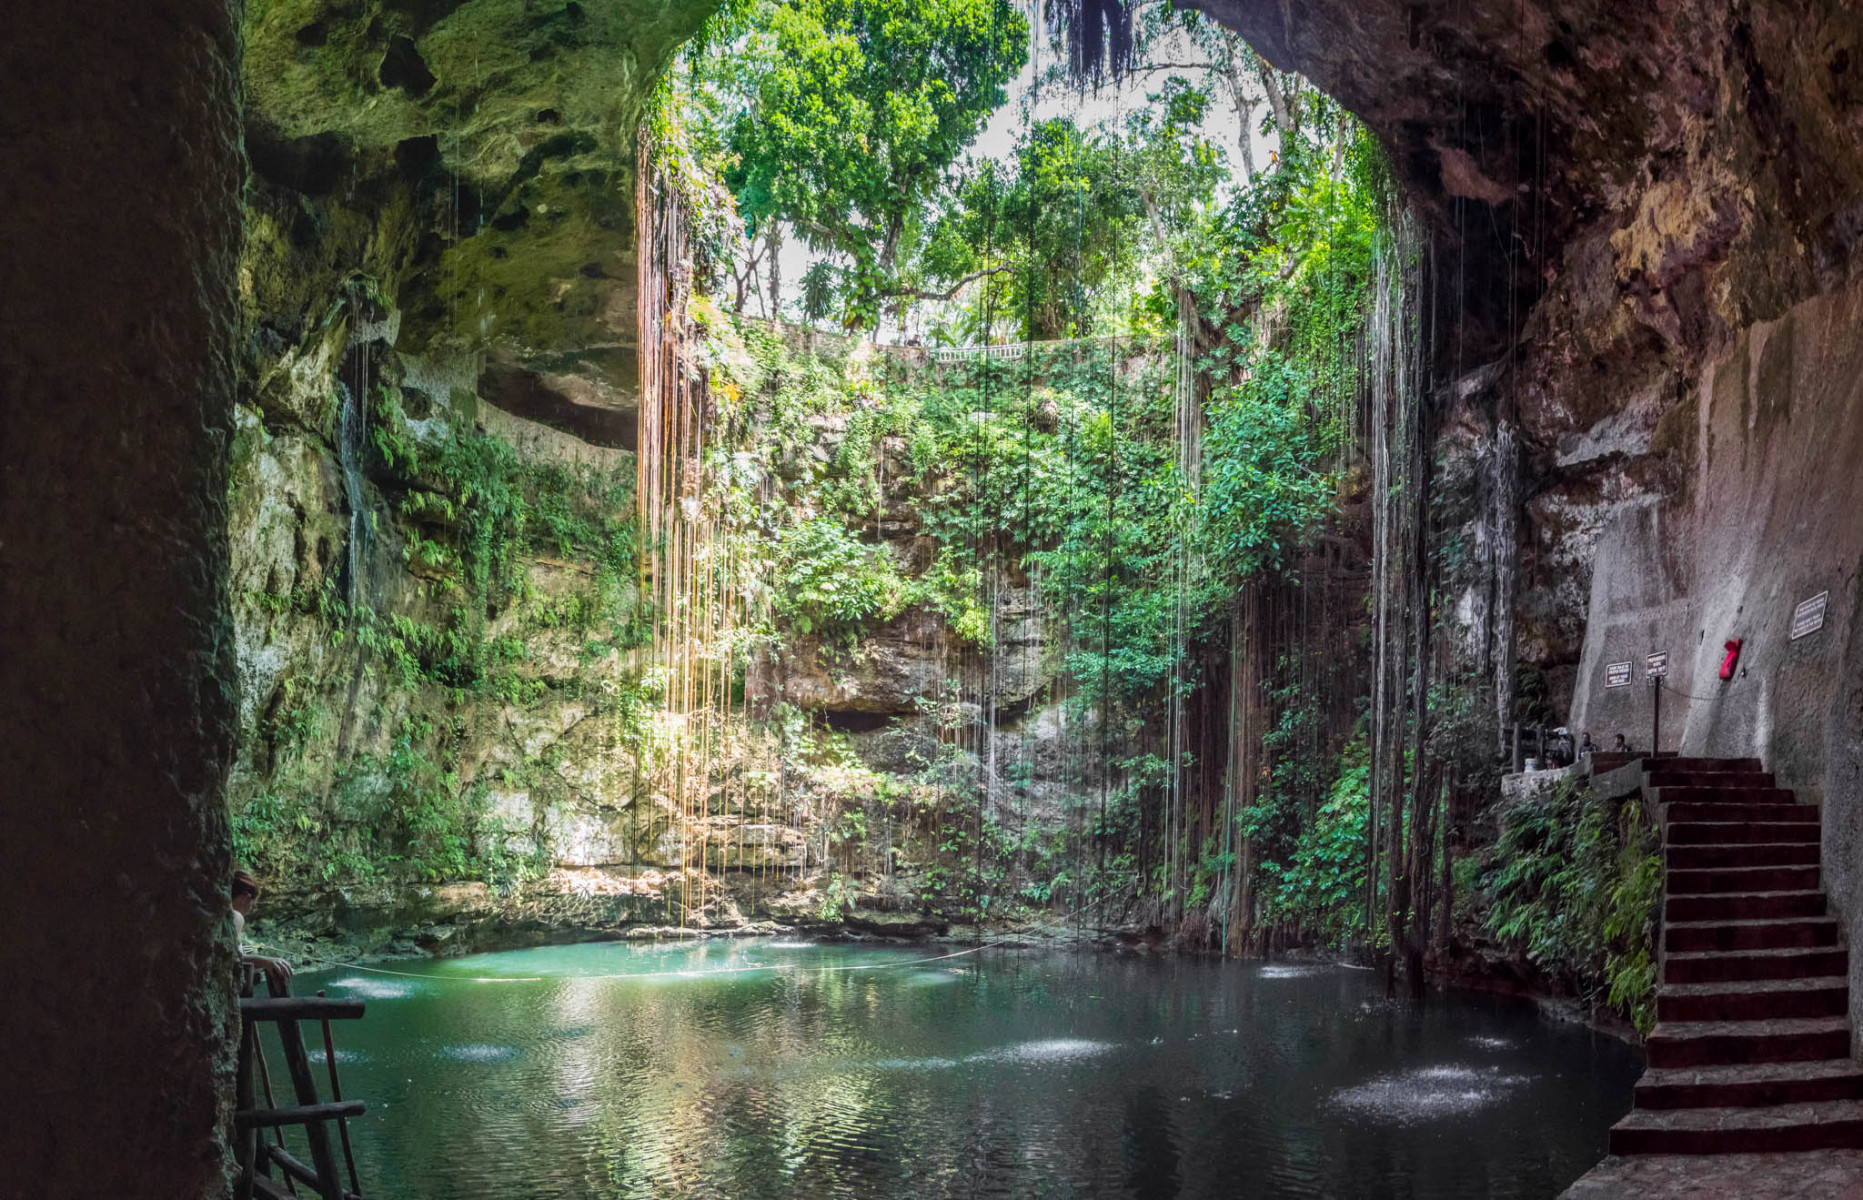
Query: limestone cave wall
[{"x": 440, "y": 264}]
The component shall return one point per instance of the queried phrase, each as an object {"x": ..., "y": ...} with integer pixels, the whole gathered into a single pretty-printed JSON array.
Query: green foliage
[
  {"x": 1056, "y": 224},
  {"x": 832, "y": 584},
  {"x": 1070, "y": 226},
  {"x": 845, "y": 113},
  {"x": 476, "y": 506},
  {"x": 475, "y": 512},
  {"x": 956, "y": 591},
  {"x": 1320, "y": 887},
  {"x": 837, "y": 898},
  {"x": 1266, "y": 480},
  {"x": 397, "y": 816},
  {"x": 294, "y": 718},
  {"x": 473, "y": 515},
  {"x": 1064, "y": 472},
  {"x": 1575, "y": 883}
]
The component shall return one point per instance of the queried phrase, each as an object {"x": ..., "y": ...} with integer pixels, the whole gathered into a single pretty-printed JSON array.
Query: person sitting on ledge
[
  {"x": 1585, "y": 745},
  {"x": 277, "y": 970},
  {"x": 1619, "y": 745}
]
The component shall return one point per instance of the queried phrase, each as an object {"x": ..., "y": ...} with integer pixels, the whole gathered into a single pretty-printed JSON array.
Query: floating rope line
[{"x": 342, "y": 966}]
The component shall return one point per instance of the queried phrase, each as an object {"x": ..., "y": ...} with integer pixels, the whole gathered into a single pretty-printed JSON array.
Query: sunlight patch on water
[
  {"x": 793, "y": 945},
  {"x": 1290, "y": 972},
  {"x": 1045, "y": 1050},
  {"x": 1490, "y": 1043},
  {"x": 479, "y": 1052},
  {"x": 1427, "y": 1093},
  {"x": 342, "y": 1056},
  {"x": 930, "y": 978},
  {"x": 915, "y": 1064},
  {"x": 374, "y": 989}
]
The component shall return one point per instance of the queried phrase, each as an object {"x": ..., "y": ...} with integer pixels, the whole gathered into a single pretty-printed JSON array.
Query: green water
[{"x": 614, "y": 1070}]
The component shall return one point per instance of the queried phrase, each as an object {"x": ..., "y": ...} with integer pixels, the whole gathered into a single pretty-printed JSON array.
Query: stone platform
[{"x": 1816, "y": 1175}]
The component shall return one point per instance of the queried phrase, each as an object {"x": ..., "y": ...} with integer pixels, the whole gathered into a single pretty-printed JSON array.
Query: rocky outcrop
[{"x": 1660, "y": 176}]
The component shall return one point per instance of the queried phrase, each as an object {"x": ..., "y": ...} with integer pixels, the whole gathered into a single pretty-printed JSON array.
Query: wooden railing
[{"x": 258, "y": 1158}]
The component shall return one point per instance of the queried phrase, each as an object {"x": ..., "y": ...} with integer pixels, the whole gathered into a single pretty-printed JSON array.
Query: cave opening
[{"x": 967, "y": 473}]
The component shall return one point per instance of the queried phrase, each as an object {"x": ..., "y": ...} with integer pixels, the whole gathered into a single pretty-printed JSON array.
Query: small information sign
[
  {"x": 1617, "y": 674},
  {"x": 1656, "y": 666},
  {"x": 1809, "y": 617}
]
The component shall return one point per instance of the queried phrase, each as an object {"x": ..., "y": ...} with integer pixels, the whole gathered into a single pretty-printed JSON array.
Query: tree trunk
[
  {"x": 773, "y": 237},
  {"x": 1277, "y": 100},
  {"x": 1235, "y": 48}
]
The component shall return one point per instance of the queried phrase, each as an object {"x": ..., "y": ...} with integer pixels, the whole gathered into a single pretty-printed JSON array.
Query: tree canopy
[{"x": 848, "y": 114}]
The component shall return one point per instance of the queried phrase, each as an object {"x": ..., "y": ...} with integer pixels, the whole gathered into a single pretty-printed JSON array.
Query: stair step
[
  {"x": 1783, "y": 854},
  {"x": 1742, "y": 879},
  {"x": 1739, "y": 810},
  {"x": 1750, "y": 1085},
  {"x": 1749, "y": 906},
  {"x": 1724, "y": 795},
  {"x": 1776, "y": 1128},
  {"x": 1721, "y": 1043},
  {"x": 1751, "y": 1050},
  {"x": 1664, "y": 776},
  {"x": 1685, "y": 937},
  {"x": 1710, "y": 765},
  {"x": 1791, "y": 963},
  {"x": 1754, "y": 999},
  {"x": 1740, "y": 833}
]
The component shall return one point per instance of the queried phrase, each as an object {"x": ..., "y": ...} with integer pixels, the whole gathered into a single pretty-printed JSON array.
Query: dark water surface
[{"x": 997, "y": 1074}]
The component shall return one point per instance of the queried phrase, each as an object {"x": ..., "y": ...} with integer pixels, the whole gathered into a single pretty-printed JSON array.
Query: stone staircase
[{"x": 1751, "y": 1050}]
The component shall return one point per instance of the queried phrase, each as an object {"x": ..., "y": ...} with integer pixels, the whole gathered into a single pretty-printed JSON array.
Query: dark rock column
[{"x": 119, "y": 238}]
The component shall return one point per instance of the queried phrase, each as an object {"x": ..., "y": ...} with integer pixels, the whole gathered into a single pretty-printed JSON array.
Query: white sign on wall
[
  {"x": 1617, "y": 674},
  {"x": 1808, "y": 617}
]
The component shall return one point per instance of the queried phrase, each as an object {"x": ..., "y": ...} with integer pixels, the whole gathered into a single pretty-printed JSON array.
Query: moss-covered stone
[{"x": 488, "y": 147}]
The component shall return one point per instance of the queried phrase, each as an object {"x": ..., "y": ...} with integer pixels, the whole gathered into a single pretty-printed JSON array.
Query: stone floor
[{"x": 1815, "y": 1175}]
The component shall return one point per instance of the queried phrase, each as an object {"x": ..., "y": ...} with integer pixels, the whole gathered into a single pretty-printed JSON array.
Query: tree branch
[
  {"x": 1277, "y": 100},
  {"x": 1245, "y": 103},
  {"x": 1202, "y": 66},
  {"x": 1186, "y": 303},
  {"x": 918, "y": 294}
]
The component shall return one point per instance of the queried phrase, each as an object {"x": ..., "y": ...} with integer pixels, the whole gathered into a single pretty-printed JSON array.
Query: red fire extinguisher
[{"x": 1732, "y": 646}]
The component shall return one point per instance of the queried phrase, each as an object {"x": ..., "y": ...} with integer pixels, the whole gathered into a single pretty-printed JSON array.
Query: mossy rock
[{"x": 487, "y": 147}]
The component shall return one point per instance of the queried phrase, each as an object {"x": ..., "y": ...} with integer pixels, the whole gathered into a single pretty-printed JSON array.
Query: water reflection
[{"x": 1006, "y": 1074}]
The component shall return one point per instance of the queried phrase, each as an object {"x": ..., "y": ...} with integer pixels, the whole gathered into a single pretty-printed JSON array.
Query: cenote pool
[{"x": 1003, "y": 1073}]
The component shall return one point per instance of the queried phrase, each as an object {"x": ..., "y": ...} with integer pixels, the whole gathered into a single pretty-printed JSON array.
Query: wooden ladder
[{"x": 255, "y": 1156}]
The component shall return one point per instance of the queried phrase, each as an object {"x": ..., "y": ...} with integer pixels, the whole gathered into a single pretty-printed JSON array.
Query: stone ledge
[{"x": 1815, "y": 1175}]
